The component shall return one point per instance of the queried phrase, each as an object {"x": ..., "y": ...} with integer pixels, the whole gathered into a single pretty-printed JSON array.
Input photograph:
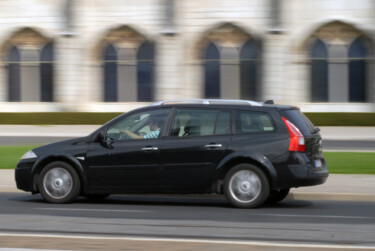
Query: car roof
[{"x": 227, "y": 103}]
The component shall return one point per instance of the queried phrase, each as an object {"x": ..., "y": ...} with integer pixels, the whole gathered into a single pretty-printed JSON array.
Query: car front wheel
[
  {"x": 246, "y": 186},
  {"x": 59, "y": 183}
]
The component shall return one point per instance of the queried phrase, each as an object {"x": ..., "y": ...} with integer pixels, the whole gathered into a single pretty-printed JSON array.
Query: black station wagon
[{"x": 251, "y": 152}]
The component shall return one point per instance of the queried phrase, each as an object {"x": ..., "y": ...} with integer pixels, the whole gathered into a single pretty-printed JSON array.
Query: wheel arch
[
  {"x": 38, "y": 167},
  {"x": 256, "y": 159}
]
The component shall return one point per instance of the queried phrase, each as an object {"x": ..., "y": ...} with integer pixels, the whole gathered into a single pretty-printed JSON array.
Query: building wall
[{"x": 78, "y": 45}]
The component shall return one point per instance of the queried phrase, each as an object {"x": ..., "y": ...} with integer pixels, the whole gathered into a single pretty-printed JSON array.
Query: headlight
[{"x": 29, "y": 155}]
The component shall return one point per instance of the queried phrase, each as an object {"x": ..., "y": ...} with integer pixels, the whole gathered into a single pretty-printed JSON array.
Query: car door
[
  {"x": 124, "y": 161},
  {"x": 198, "y": 140}
]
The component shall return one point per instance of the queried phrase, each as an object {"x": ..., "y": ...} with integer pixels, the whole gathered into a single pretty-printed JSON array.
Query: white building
[{"x": 114, "y": 55}]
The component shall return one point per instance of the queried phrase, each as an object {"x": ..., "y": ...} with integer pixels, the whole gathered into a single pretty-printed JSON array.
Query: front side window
[
  {"x": 194, "y": 122},
  {"x": 253, "y": 122},
  {"x": 144, "y": 125}
]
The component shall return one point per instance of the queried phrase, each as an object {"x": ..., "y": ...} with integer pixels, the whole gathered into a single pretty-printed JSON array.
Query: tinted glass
[
  {"x": 110, "y": 74},
  {"x": 253, "y": 122},
  {"x": 14, "y": 85},
  {"x": 319, "y": 72},
  {"x": 194, "y": 122},
  {"x": 145, "y": 74},
  {"x": 212, "y": 71},
  {"x": 46, "y": 73},
  {"x": 248, "y": 67},
  {"x": 357, "y": 71},
  {"x": 223, "y": 123},
  {"x": 300, "y": 120},
  {"x": 144, "y": 125}
]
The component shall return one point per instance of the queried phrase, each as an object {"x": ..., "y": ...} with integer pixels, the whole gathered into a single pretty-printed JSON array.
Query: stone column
[{"x": 69, "y": 85}]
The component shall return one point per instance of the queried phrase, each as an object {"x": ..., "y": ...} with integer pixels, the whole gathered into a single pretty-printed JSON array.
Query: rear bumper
[{"x": 305, "y": 175}]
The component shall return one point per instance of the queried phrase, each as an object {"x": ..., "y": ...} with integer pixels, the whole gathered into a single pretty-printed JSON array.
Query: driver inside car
[{"x": 154, "y": 123}]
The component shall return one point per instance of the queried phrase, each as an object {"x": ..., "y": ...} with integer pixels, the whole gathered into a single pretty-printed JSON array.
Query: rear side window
[
  {"x": 300, "y": 120},
  {"x": 253, "y": 122},
  {"x": 197, "y": 122}
]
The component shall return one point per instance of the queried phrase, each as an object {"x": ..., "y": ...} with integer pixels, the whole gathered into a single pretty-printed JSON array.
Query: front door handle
[
  {"x": 150, "y": 148},
  {"x": 213, "y": 146}
]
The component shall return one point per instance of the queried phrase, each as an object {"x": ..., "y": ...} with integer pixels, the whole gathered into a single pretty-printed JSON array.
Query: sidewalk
[
  {"x": 328, "y": 132},
  {"x": 337, "y": 187}
]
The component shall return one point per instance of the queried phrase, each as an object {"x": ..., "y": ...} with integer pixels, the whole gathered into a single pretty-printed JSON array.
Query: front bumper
[{"x": 23, "y": 175}]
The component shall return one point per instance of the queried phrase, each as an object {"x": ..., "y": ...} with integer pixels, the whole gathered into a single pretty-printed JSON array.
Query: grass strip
[
  {"x": 56, "y": 118},
  {"x": 337, "y": 162},
  {"x": 350, "y": 162},
  {"x": 99, "y": 118},
  {"x": 342, "y": 119},
  {"x": 10, "y": 155}
]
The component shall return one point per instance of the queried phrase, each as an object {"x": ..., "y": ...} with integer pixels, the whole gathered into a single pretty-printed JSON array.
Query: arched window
[
  {"x": 14, "y": 85},
  {"x": 319, "y": 72},
  {"x": 212, "y": 71},
  {"x": 46, "y": 73},
  {"x": 249, "y": 61},
  {"x": 110, "y": 73},
  {"x": 357, "y": 71},
  {"x": 145, "y": 74}
]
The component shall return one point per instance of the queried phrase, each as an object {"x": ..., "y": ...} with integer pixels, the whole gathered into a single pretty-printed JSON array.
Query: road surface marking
[
  {"x": 228, "y": 242},
  {"x": 317, "y": 216},
  {"x": 94, "y": 210},
  {"x": 31, "y": 249}
]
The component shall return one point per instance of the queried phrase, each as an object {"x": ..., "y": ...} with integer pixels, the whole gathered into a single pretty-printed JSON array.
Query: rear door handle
[
  {"x": 150, "y": 148},
  {"x": 213, "y": 146}
]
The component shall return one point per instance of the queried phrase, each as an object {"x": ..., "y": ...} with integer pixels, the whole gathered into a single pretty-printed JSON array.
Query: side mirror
[
  {"x": 105, "y": 141},
  {"x": 99, "y": 137}
]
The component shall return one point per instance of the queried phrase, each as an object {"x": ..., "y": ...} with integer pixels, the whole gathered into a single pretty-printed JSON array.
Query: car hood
[{"x": 62, "y": 146}]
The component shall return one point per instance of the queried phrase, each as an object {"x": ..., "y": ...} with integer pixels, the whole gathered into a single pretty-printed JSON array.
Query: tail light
[{"x": 296, "y": 139}]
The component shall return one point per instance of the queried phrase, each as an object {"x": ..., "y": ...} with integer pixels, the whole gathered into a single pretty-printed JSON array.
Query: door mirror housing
[
  {"x": 105, "y": 141},
  {"x": 99, "y": 137}
]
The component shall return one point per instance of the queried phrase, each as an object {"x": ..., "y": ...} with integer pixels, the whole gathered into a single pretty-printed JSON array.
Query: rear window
[
  {"x": 253, "y": 122},
  {"x": 300, "y": 120}
]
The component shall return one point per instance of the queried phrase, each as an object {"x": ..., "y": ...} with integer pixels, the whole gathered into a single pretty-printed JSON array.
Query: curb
[{"x": 332, "y": 196}]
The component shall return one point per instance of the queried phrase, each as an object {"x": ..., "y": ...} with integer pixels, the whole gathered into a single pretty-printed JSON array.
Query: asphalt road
[
  {"x": 209, "y": 217},
  {"x": 341, "y": 145}
]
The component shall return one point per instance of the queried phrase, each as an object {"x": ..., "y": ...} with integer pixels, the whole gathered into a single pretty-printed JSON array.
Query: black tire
[
  {"x": 59, "y": 183},
  {"x": 277, "y": 196},
  {"x": 253, "y": 189},
  {"x": 96, "y": 197}
]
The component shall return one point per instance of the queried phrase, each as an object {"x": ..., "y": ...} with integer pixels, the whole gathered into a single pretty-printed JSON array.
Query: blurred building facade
[{"x": 114, "y": 55}]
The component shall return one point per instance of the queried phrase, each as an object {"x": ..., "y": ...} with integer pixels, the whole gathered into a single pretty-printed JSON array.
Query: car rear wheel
[
  {"x": 59, "y": 183},
  {"x": 277, "y": 196},
  {"x": 246, "y": 186}
]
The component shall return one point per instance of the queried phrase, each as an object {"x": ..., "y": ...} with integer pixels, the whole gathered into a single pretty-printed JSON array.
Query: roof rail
[{"x": 209, "y": 102}]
